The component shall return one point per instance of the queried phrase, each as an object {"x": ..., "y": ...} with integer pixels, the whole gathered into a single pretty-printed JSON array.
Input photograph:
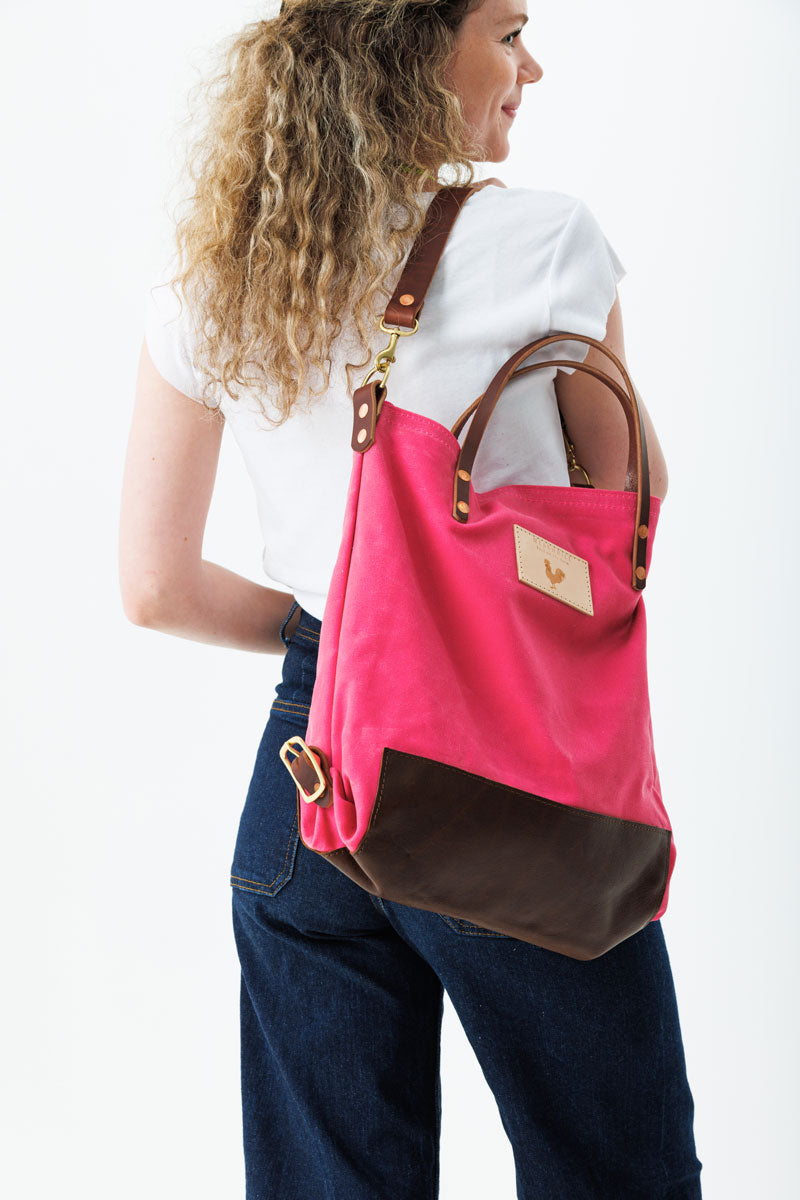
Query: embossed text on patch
[{"x": 552, "y": 569}]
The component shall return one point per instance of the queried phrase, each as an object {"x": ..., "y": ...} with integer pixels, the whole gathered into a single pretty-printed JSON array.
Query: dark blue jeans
[{"x": 341, "y": 1010}]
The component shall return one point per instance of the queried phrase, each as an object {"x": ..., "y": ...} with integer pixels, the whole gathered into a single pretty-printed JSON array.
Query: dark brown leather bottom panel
[{"x": 564, "y": 878}]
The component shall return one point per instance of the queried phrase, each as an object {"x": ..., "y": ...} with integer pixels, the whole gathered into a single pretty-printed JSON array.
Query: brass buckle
[{"x": 292, "y": 743}]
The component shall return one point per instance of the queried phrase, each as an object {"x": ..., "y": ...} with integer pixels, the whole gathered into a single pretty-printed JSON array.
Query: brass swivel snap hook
[{"x": 384, "y": 358}]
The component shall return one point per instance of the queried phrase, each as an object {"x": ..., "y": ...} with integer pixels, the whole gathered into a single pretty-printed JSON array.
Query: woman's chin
[{"x": 499, "y": 152}]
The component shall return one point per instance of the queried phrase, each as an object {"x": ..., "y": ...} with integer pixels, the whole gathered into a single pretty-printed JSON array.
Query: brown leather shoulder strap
[
  {"x": 408, "y": 298},
  {"x": 423, "y": 259}
]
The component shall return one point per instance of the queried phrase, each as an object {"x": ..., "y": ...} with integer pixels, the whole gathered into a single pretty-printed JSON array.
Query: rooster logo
[{"x": 554, "y": 576}]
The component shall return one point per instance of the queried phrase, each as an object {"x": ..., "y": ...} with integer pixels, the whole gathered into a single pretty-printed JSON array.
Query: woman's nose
[{"x": 532, "y": 70}]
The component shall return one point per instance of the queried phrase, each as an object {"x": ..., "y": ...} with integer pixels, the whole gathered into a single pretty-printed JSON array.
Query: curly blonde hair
[{"x": 323, "y": 122}]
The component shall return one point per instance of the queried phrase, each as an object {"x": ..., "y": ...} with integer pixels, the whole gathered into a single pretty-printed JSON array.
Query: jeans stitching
[
  {"x": 257, "y": 891},
  {"x": 303, "y": 642},
  {"x": 457, "y": 923}
]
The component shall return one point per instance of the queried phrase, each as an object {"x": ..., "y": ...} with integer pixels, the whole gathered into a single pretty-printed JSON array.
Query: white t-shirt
[{"x": 517, "y": 264}]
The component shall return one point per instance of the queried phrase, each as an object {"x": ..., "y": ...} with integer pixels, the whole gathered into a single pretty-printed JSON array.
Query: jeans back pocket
[{"x": 268, "y": 836}]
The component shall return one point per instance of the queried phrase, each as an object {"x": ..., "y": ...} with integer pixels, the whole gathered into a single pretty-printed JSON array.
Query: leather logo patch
[{"x": 552, "y": 569}]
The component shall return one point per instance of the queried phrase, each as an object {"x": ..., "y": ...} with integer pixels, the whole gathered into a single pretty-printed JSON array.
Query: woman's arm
[
  {"x": 597, "y": 425},
  {"x": 166, "y": 584}
]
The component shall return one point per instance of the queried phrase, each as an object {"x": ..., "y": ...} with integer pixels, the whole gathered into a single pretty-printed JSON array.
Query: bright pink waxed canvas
[{"x": 425, "y": 615}]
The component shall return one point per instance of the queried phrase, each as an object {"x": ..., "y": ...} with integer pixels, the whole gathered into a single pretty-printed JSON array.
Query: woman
[{"x": 326, "y": 142}]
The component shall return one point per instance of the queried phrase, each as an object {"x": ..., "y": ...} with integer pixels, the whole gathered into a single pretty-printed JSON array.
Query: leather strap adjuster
[{"x": 309, "y": 770}]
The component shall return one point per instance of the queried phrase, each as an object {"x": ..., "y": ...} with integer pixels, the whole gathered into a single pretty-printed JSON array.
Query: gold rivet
[
  {"x": 462, "y": 506},
  {"x": 362, "y": 434},
  {"x": 642, "y": 531},
  {"x": 406, "y": 298},
  {"x": 640, "y": 572},
  {"x": 462, "y": 474},
  {"x": 363, "y": 409}
]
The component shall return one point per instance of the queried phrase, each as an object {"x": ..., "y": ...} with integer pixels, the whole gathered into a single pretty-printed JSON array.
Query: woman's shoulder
[
  {"x": 558, "y": 223},
  {"x": 539, "y": 204},
  {"x": 533, "y": 219},
  {"x": 170, "y": 333}
]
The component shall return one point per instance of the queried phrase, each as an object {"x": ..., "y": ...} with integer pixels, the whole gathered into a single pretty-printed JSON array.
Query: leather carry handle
[
  {"x": 638, "y": 474},
  {"x": 598, "y": 374}
]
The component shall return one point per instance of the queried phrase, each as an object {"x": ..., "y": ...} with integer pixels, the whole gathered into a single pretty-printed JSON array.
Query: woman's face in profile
[{"x": 489, "y": 70}]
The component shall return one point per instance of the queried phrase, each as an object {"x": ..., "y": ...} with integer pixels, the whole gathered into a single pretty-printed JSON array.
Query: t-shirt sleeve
[
  {"x": 168, "y": 333},
  {"x": 584, "y": 274}
]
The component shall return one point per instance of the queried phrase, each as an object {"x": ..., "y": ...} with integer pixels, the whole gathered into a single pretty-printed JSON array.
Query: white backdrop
[{"x": 127, "y": 752}]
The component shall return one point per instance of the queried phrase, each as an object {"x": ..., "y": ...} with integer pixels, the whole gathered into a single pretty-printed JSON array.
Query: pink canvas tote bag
[{"x": 479, "y": 740}]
